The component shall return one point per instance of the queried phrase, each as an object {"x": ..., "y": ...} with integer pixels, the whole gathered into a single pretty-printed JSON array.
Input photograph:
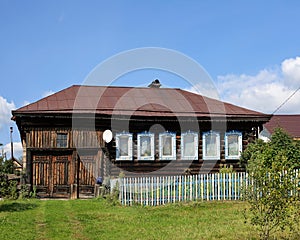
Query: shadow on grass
[{"x": 16, "y": 206}]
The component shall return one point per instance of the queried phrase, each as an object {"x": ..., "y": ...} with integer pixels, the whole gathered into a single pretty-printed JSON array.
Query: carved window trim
[
  {"x": 167, "y": 150},
  {"x": 237, "y": 145},
  {"x": 121, "y": 139},
  {"x": 192, "y": 139},
  {"x": 145, "y": 146},
  {"x": 214, "y": 147}
]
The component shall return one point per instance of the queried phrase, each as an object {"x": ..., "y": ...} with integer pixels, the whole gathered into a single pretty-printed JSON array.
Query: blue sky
[{"x": 249, "y": 48}]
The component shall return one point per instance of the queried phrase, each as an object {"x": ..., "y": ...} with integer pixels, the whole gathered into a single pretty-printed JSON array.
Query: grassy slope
[{"x": 95, "y": 219}]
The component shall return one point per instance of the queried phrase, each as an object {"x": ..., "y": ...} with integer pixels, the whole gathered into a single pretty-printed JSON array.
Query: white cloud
[
  {"x": 47, "y": 93},
  {"x": 265, "y": 91},
  {"x": 18, "y": 150},
  {"x": 208, "y": 90},
  {"x": 25, "y": 103},
  {"x": 291, "y": 71},
  {"x": 44, "y": 94},
  {"x": 5, "y": 111}
]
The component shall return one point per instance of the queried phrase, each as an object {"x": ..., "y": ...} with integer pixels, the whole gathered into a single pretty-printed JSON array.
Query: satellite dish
[{"x": 107, "y": 136}]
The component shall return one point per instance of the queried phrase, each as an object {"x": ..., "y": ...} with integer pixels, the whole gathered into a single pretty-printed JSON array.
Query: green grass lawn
[{"x": 96, "y": 219}]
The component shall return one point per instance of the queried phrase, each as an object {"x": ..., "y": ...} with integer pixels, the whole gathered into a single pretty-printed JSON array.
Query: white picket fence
[{"x": 155, "y": 191}]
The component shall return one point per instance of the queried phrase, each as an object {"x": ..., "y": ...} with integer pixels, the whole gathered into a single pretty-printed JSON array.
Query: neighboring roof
[
  {"x": 17, "y": 163},
  {"x": 290, "y": 123},
  {"x": 134, "y": 102}
]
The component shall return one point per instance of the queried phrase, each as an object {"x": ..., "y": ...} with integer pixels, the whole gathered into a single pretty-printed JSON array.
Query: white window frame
[
  {"x": 240, "y": 144},
  {"x": 129, "y": 145},
  {"x": 152, "y": 149},
  {"x": 196, "y": 141},
  {"x": 172, "y": 156},
  {"x": 204, "y": 142}
]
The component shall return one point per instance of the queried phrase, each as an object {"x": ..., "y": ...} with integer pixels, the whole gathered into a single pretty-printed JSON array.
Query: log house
[{"x": 156, "y": 131}]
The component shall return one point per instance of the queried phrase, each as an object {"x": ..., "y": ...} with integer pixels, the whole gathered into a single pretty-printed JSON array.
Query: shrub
[
  {"x": 225, "y": 169},
  {"x": 8, "y": 188},
  {"x": 272, "y": 192}
]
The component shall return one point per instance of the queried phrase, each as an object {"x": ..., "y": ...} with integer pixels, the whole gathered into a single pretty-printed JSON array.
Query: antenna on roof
[{"x": 155, "y": 84}]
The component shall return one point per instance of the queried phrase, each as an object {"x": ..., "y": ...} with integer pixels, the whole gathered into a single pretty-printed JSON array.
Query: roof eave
[{"x": 88, "y": 114}]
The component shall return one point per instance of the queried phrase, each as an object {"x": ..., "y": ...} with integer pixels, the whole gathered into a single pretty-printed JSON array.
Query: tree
[
  {"x": 8, "y": 188},
  {"x": 272, "y": 190}
]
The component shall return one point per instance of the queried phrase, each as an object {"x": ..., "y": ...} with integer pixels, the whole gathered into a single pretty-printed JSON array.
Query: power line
[{"x": 282, "y": 104}]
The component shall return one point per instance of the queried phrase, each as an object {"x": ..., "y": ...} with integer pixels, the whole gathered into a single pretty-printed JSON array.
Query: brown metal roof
[
  {"x": 134, "y": 102},
  {"x": 290, "y": 123}
]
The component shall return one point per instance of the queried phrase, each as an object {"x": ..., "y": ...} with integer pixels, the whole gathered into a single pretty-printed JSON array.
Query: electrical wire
[{"x": 282, "y": 104}]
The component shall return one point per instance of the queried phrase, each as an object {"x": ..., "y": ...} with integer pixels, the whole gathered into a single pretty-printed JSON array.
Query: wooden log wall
[
  {"x": 178, "y": 166},
  {"x": 46, "y": 138}
]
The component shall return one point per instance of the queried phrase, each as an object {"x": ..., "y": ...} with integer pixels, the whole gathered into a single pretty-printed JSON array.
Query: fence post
[
  {"x": 169, "y": 183},
  {"x": 202, "y": 187},
  {"x": 175, "y": 188},
  {"x": 231, "y": 185},
  {"x": 219, "y": 189}
]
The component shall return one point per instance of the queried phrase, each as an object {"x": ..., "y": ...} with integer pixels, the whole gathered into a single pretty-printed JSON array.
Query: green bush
[
  {"x": 225, "y": 169},
  {"x": 25, "y": 193},
  {"x": 8, "y": 188},
  {"x": 272, "y": 190}
]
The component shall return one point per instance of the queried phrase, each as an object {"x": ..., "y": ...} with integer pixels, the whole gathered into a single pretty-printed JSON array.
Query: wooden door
[
  {"x": 61, "y": 172},
  {"x": 51, "y": 174},
  {"x": 41, "y": 174},
  {"x": 86, "y": 174}
]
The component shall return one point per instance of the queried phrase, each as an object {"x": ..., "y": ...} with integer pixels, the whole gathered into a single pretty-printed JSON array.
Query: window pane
[
  {"x": 189, "y": 145},
  {"x": 145, "y": 146},
  {"x": 123, "y": 148},
  {"x": 211, "y": 145},
  {"x": 61, "y": 140},
  {"x": 167, "y": 145},
  {"x": 233, "y": 145}
]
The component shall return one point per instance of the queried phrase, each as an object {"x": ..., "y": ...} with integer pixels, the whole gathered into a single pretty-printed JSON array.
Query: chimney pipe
[{"x": 155, "y": 84}]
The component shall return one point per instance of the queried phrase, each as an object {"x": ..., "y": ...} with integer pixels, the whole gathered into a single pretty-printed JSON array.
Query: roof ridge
[{"x": 161, "y": 88}]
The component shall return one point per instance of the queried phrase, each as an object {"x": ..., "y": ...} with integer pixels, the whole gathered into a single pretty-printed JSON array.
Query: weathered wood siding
[
  {"x": 56, "y": 171},
  {"x": 44, "y": 138},
  {"x": 52, "y": 173}
]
